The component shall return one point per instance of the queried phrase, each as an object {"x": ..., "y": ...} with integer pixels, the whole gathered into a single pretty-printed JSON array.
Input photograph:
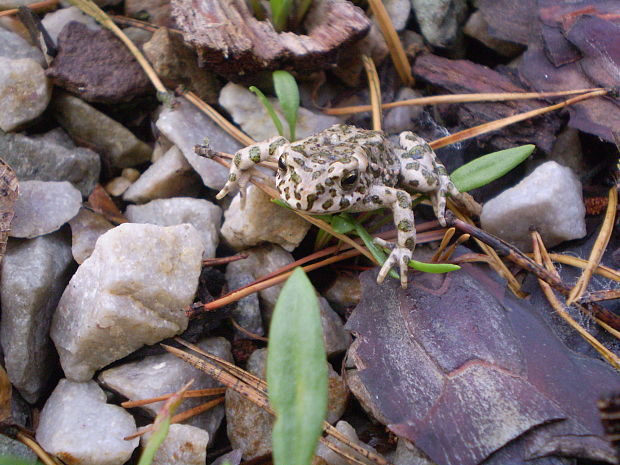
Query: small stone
[
  {"x": 51, "y": 158},
  {"x": 567, "y": 151},
  {"x": 34, "y": 274},
  {"x": 157, "y": 375},
  {"x": 350, "y": 65},
  {"x": 247, "y": 310},
  {"x": 130, "y": 292},
  {"x": 97, "y": 66},
  {"x": 408, "y": 454},
  {"x": 43, "y": 207},
  {"x": 335, "y": 459},
  {"x": 440, "y": 20},
  {"x": 56, "y": 21},
  {"x": 138, "y": 35},
  {"x": 177, "y": 64},
  {"x": 117, "y": 186},
  {"x": 249, "y": 113},
  {"x": 24, "y": 92},
  {"x": 337, "y": 339},
  {"x": 202, "y": 214},
  {"x": 399, "y": 119},
  {"x": 478, "y": 28},
  {"x": 232, "y": 458},
  {"x": 13, "y": 448},
  {"x": 249, "y": 426},
  {"x": 344, "y": 292},
  {"x": 130, "y": 173},
  {"x": 169, "y": 176},
  {"x": 86, "y": 227},
  {"x": 152, "y": 11},
  {"x": 399, "y": 11},
  {"x": 184, "y": 445},
  {"x": 186, "y": 127},
  {"x": 14, "y": 47},
  {"x": 262, "y": 221},
  {"x": 79, "y": 427},
  {"x": 86, "y": 123},
  {"x": 549, "y": 199}
]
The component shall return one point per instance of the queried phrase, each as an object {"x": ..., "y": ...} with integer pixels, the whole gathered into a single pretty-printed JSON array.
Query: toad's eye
[
  {"x": 281, "y": 164},
  {"x": 350, "y": 179}
]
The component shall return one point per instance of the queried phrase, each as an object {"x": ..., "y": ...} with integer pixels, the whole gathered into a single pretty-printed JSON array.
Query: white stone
[
  {"x": 247, "y": 111},
  {"x": 131, "y": 291},
  {"x": 184, "y": 445},
  {"x": 186, "y": 126},
  {"x": 549, "y": 199},
  {"x": 440, "y": 20},
  {"x": 55, "y": 21},
  {"x": 24, "y": 92},
  {"x": 34, "y": 274},
  {"x": 86, "y": 227},
  {"x": 43, "y": 207},
  {"x": 157, "y": 375},
  {"x": 202, "y": 214},
  {"x": 117, "y": 186},
  {"x": 13, "y": 46},
  {"x": 10, "y": 4},
  {"x": 399, "y": 11},
  {"x": 399, "y": 119},
  {"x": 169, "y": 176},
  {"x": 261, "y": 220},
  {"x": 79, "y": 427}
]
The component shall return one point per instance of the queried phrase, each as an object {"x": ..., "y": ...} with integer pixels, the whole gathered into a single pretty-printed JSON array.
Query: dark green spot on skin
[
  {"x": 333, "y": 193},
  {"x": 316, "y": 175},
  {"x": 410, "y": 243},
  {"x": 329, "y": 182},
  {"x": 403, "y": 200},
  {"x": 327, "y": 204},
  {"x": 255, "y": 154},
  {"x": 298, "y": 206},
  {"x": 299, "y": 161},
  {"x": 232, "y": 177},
  {"x": 295, "y": 177},
  {"x": 297, "y": 195},
  {"x": 344, "y": 203},
  {"x": 320, "y": 189},
  {"x": 410, "y": 166},
  {"x": 298, "y": 149},
  {"x": 405, "y": 226},
  {"x": 442, "y": 170},
  {"x": 237, "y": 159},
  {"x": 311, "y": 199},
  {"x": 414, "y": 183},
  {"x": 376, "y": 199}
]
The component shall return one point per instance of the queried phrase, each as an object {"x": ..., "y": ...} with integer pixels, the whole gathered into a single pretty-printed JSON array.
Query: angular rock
[
  {"x": 184, "y": 445},
  {"x": 85, "y": 123},
  {"x": 50, "y": 158},
  {"x": 399, "y": 11},
  {"x": 14, "y": 47},
  {"x": 440, "y": 20},
  {"x": 186, "y": 126},
  {"x": 10, "y": 4},
  {"x": 247, "y": 310},
  {"x": 43, "y": 207},
  {"x": 344, "y": 292},
  {"x": 262, "y": 221},
  {"x": 350, "y": 65},
  {"x": 201, "y": 214},
  {"x": 79, "y": 427},
  {"x": 86, "y": 227},
  {"x": 34, "y": 275},
  {"x": 56, "y": 21},
  {"x": 177, "y": 64},
  {"x": 138, "y": 35},
  {"x": 549, "y": 199},
  {"x": 117, "y": 186},
  {"x": 336, "y": 339},
  {"x": 249, "y": 426},
  {"x": 407, "y": 453},
  {"x": 130, "y": 292},
  {"x": 169, "y": 176},
  {"x": 157, "y": 375},
  {"x": 13, "y": 448},
  {"x": 478, "y": 28},
  {"x": 97, "y": 66},
  {"x": 24, "y": 92},
  {"x": 399, "y": 119},
  {"x": 335, "y": 459},
  {"x": 153, "y": 11},
  {"x": 249, "y": 113}
]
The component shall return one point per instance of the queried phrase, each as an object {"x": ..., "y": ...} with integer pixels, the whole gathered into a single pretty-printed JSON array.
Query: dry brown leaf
[{"x": 8, "y": 195}]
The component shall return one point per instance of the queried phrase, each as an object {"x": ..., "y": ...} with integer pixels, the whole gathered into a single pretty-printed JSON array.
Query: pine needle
[
  {"x": 38, "y": 6},
  {"x": 374, "y": 89}
]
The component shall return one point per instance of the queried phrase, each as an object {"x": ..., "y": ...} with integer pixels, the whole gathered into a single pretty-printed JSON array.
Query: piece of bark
[
  {"x": 508, "y": 19},
  {"x": 471, "y": 374},
  {"x": 231, "y": 42},
  {"x": 463, "y": 76},
  {"x": 8, "y": 196},
  {"x": 96, "y": 66}
]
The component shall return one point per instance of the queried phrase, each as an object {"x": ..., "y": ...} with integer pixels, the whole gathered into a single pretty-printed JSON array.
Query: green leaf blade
[
  {"x": 436, "y": 268},
  {"x": 297, "y": 372},
  {"x": 488, "y": 168},
  {"x": 269, "y": 107},
  {"x": 287, "y": 92},
  {"x": 280, "y": 10}
]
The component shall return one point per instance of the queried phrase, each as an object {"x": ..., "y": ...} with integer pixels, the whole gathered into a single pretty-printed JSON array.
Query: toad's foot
[{"x": 399, "y": 256}]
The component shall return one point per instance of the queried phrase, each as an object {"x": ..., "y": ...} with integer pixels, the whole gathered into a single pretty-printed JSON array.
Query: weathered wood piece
[
  {"x": 231, "y": 42},
  {"x": 8, "y": 196}
]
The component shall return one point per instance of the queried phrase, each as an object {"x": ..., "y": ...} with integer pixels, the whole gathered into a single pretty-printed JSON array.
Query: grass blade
[
  {"x": 280, "y": 10},
  {"x": 272, "y": 112},
  {"x": 297, "y": 372},
  {"x": 487, "y": 168},
  {"x": 287, "y": 92},
  {"x": 12, "y": 460}
]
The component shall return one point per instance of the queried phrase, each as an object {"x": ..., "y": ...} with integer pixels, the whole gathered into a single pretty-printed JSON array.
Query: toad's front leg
[
  {"x": 400, "y": 203},
  {"x": 245, "y": 159}
]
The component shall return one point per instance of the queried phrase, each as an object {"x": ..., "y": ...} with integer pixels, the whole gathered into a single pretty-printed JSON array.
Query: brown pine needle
[
  {"x": 601, "y": 270},
  {"x": 540, "y": 254},
  {"x": 46, "y": 458},
  {"x": 218, "y": 119},
  {"x": 248, "y": 333},
  {"x": 374, "y": 89},
  {"x": 598, "y": 296},
  {"x": 126, "y": 21},
  {"x": 598, "y": 249},
  {"x": 188, "y": 394},
  {"x": 503, "y": 122},
  {"x": 224, "y": 260},
  {"x": 39, "y": 6},
  {"x": 397, "y": 52},
  {"x": 444, "y": 243},
  {"x": 446, "y": 256},
  {"x": 459, "y": 98},
  {"x": 91, "y": 9}
]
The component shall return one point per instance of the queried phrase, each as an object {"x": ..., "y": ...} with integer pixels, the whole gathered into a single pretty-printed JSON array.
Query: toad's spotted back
[{"x": 345, "y": 168}]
